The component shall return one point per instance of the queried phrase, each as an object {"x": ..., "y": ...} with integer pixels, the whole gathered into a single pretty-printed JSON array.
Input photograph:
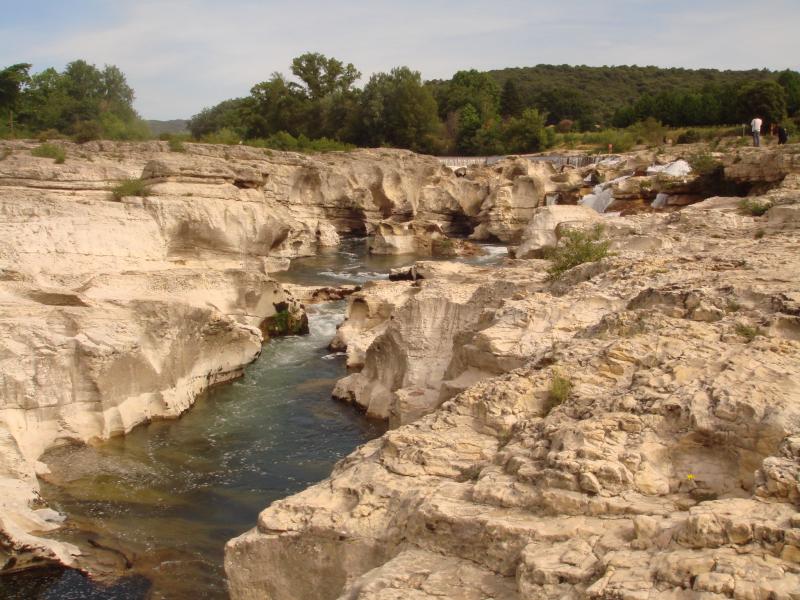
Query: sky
[{"x": 183, "y": 55}]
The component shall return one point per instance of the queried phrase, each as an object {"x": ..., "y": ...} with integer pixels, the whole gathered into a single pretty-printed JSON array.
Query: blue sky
[{"x": 183, "y": 55}]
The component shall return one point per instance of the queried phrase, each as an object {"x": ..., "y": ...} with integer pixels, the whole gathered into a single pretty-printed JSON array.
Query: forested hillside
[
  {"x": 595, "y": 94},
  {"x": 320, "y": 106}
]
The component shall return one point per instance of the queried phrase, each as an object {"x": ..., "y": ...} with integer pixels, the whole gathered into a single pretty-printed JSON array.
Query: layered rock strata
[
  {"x": 628, "y": 431},
  {"x": 117, "y": 309}
]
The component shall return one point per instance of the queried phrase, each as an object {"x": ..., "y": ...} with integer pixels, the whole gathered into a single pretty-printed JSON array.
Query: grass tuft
[
  {"x": 560, "y": 389},
  {"x": 131, "y": 187},
  {"x": 748, "y": 332},
  {"x": 57, "y": 153},
  {"x": 754, "y": 207}
]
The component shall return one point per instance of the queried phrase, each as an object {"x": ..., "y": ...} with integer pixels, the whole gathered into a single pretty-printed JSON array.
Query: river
[{"x": 153, "y": 509}]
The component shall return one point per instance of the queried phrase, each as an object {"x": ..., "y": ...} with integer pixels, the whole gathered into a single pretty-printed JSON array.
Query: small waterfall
[
  {"x": 602, "y": 196},
  {"x": 660, "y": 201},
  {"x": 678, "y": 168}
]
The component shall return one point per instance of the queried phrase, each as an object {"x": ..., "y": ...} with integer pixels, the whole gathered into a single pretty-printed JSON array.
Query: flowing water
[{"x": 159, "y": 504}]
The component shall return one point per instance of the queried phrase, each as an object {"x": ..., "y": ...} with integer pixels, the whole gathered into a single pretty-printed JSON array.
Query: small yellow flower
[{"x": 690, "y": 477}]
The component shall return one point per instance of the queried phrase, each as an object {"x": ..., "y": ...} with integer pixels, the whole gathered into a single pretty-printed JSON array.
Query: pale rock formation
[
  {"x": 366, "y": 315},
  {"x": 117, "y": 312},
  {"x": 418, "y": 237},
  {"x": 761, "y": 165},
  {"x": 670, "y": 469},
  {"x": 541, "y": 231},
  {"x": 517, "y": 187}
]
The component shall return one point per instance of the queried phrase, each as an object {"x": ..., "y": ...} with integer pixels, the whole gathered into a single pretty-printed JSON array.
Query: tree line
[
  {"x": 320, "y": 106},
  {"x": 82, "y": 101}
]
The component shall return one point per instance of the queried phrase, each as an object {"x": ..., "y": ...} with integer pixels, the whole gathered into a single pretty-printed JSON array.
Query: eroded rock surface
[
  {"x": 115, "y": 310},
  {"x": 670, "y": 468}
]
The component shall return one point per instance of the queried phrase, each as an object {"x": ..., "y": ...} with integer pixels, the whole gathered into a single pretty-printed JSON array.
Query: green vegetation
[
  {"x": 560, "y": 389},
  {"x": 578, "y": 247},
  {"x": 704, "y": 164},
  {"x": 57, "y": 153},
  {"x": 174, "y": 141},
  {"x": 131, "y": 187},
  {"x": 82, "y": 102},
  {"x": 754, "y": 208},
  {"x": 287, "y": 142},
  {"x": 733, "y": 305},
  {"x": 284, "y": 323},
  {"x": 318, "y": 108},
  {"x": 748, "y": 332}
]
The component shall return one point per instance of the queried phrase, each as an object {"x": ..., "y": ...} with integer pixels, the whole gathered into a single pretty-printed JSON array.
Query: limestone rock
[{"x": 668, "y": 470}]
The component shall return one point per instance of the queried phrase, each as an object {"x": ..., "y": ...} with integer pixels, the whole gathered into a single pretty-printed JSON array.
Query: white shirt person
[{"x": 755, "y": 126}]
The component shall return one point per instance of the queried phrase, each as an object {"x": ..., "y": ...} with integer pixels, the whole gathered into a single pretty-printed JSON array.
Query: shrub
[
  {"x": 704, "y": 164},
  {"x": 49, "y": 134},
  {"x": 176, "y": 145},
  {"x": 748, "y": 332},
  {"x": 754, "y": 207},
  {"x": 579, "y": 247},
  {"x": 86, "y": 131},
  {"x": 733, "y": 305},
  {"x": 284, "y": 323},
  {"x": 560, "y": 389},
  {"x": 57, "y": 153},
  {"x": 131, "y": 187},
  {"x": 690, "y": 136},
  {"x": 759, "y": 234},
  {"x": 115, "y": 128},
  {"x": 226, "y": 135},
  {"x": 5, "y": 153},
  {"x": 650, "y": 131},
  {"x": 287, "y": 142}
]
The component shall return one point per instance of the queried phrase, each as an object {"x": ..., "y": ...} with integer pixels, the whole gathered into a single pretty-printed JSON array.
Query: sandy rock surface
[{"x": 669, "y": 469}]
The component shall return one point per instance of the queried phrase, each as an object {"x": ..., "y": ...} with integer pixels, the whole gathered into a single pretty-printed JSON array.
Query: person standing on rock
[
  {"x": 755, "y": 125},
  {"x": 783, "y": 135}
]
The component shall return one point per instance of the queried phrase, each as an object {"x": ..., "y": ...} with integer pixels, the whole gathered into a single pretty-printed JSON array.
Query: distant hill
[
  {"x": 173, "y": 126},
  {"x": 606, "y": 89}
]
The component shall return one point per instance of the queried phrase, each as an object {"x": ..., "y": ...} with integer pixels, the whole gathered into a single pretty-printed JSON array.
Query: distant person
[
  {"x": 783, "y": 135},
  {"x": 755, "y": 126}
]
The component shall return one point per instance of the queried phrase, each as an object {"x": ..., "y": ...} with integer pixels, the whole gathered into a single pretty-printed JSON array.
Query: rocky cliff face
[
  {"x": 118, "y": 310},
  {"x": 630, "y": 430}
]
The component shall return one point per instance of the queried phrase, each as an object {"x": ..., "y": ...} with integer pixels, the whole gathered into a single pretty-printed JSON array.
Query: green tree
[
  {"x": 766, "y": 99},
  {"x": 470, "y": 87},
  {"x": 525, "y": 133},
  {"x": 11, "y": 81},
  {"x": 790, "y": 82},
  {"x": 469, "y": 123},
  {"x": 511, "y": 103},
  {"x": 322, "y": 75},
  {"x": 277, "y": 105},
  {"x": 397, "y": 109},
  {"x": 228, "y": 114}
]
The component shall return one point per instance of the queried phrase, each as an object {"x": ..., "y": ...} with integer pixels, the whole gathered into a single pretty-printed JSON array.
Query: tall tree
[
  {"x": 470, "y": 87},
  {"x": 511, "y": 104},
  {"x": 397, "y": 109},
  {"x": 766, "y": 99},
  {"x": 322, "y": 75},
  {"x": 790, "y": 82},
  {"x": 11, "y": 81}
]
